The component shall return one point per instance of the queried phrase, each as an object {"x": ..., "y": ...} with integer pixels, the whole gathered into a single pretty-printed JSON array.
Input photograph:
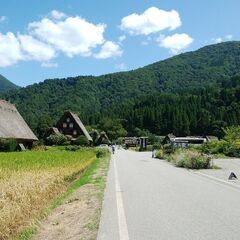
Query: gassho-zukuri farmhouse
[{"x": 13, "y": 126}]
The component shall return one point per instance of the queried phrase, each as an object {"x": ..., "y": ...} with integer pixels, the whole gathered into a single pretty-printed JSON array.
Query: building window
[
  {"x": 74, "y": 132},
  {"x": 64, "y": 125},
  {"x": 71, "y": 125},
  {"x": 68, "y": 119}
]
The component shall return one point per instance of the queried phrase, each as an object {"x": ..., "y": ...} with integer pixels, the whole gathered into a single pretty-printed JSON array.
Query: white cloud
[
  {"x": 10, "y": 50},
  {"x": 229, "y": 37},
  {"x": 49, "y": 65},
  {"x": 73, "y": 36},
  {"x": 121, "y": 66},
  {"x": 2, "y": 18},
  {"x": 176, "y": 43},
  {"x": 57, "y": 33},
  {"x": 153, "y": 20},
  {"x": 122, "y": 38},
  {"x": 217, "y": 40},
  {"x": 34, "y": 49},
  {"x": 22, "y": 47},
  {"x": 58, "y": 15},
  {"x": 109, "y": 49}
]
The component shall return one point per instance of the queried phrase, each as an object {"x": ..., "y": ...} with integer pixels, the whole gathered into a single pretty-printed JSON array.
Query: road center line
[{"x": 122, "y": 223}]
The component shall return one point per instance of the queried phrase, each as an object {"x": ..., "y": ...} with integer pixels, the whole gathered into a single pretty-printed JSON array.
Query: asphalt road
[{"x": 149, "y": 199}]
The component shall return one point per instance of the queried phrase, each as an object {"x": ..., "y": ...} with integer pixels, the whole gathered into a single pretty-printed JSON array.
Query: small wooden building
[
  {"x": 71, "y": 125},
  {"x": 103, "y": 139},
  {"x": 12, "y": 125},
  {"x": 184, "y": 141},
  {"x": 131, "y": 141},
  {"x": 143, "y": 143}
]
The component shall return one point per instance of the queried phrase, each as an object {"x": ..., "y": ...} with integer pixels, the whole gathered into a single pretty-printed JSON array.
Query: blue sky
[{"x": 61, "y": 38}]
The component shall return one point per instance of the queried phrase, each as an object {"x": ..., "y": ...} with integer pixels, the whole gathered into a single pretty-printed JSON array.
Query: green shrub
[
  {"x": 232, "y": 134},
  {"x": 100, "y": 153},
  {"x": 168, "y": 149},
  {"x": 165, "y": 152},
  {"x": 231, "y": 149},
  {"x": 190, "y": 159},
  {"x": 148, "y": 149},
  {"x": 8, "y": 145},
  {"x": 57, "y": 140},
  {"x": 160, "y": 154},
  {"x": 214, "y": 147},
  {"x": 81, "y": 141},
  {"x": 71, "y": 148},
  {"x": 156, "y": 146}
]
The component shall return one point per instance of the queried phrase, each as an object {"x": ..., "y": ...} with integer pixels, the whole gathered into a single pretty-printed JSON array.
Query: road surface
[{"x": 149, "y": 199}]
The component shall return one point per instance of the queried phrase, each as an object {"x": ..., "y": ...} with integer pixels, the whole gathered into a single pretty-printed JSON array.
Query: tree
[
  {"x": 232, "y": 134},
  {"x": 43, "y": 124},
  {"x": 113, "y": 128},
  {"x": 81, "y": 141}
]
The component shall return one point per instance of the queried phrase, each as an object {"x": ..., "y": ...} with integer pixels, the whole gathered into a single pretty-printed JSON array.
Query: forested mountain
[
  {"x": 205, "y": 112},
  {"x": 178, "y": 86},
  {"x": 6, "y": 85}
]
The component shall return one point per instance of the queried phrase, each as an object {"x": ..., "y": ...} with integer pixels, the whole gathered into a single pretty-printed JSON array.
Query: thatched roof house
[
  {"x": 71, "y": 125},
  {"x": 168, "y": 139},
  {"x": 12, "y": 125}
]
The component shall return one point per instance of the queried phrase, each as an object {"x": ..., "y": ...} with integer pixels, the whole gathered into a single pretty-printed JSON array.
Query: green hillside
[
  {"x": 108, "y": 95},
  {"x": 6, "y": 85}
]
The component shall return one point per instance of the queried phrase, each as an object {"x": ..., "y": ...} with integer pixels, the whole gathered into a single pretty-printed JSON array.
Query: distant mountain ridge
[
  {"x": 6, "y": 85},
  {"x": 92, "y": 97}
]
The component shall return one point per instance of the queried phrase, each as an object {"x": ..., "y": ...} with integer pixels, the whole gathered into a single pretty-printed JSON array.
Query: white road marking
[
  {"x": 122, "y": 223},
  {"x": 230, "y": 184}
]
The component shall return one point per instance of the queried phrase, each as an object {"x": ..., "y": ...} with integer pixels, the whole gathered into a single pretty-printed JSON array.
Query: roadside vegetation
[
  {"x": 31, "y": 180},
  {"x": 186, "y": 158},
  {"x": 190, "y": 159},
  {"x": 228, "y": 146},
  {"x": 199, "y": 156}
]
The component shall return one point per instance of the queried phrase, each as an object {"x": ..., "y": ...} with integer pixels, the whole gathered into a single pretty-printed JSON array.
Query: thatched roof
[
  {"x": 12, "y": 125},
  {"x": 78, "y": 122},
  {"x": 54, "y": 130}
]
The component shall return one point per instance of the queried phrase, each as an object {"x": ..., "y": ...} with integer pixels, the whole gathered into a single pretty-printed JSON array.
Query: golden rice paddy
[{"x": 29, "y": 181}]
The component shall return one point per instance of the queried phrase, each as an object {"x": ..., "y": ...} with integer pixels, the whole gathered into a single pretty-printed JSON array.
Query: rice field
[{"x": 29, "y": 181}]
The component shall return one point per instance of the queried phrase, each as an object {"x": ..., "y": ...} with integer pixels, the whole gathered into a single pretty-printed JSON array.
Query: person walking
[{"x": 113, "y": 149}]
